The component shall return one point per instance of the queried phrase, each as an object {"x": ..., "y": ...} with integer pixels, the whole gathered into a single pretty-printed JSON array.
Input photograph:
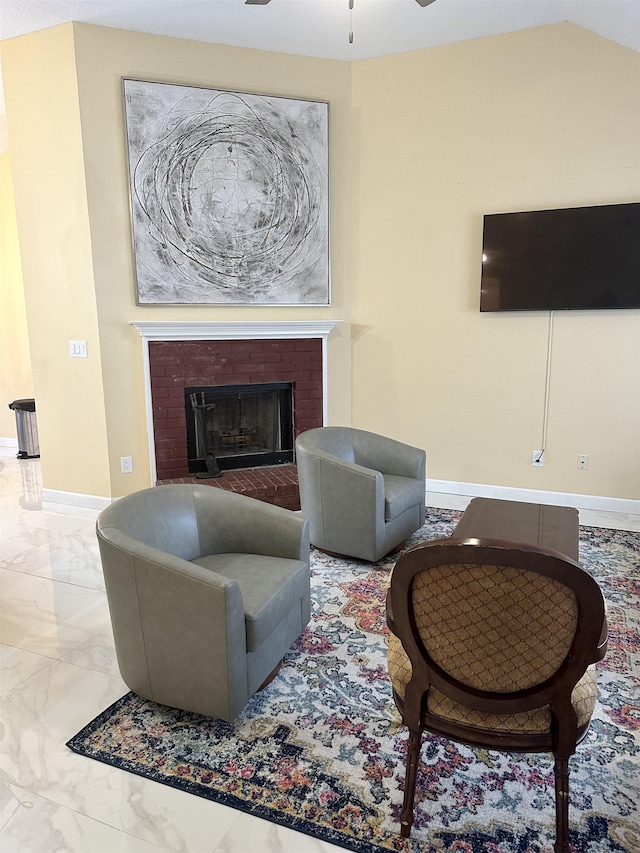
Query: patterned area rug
[{"x": 321, "y": 749}]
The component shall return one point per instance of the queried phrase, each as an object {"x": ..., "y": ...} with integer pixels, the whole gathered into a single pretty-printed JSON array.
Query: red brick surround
[{"x": 175, "y": 365}]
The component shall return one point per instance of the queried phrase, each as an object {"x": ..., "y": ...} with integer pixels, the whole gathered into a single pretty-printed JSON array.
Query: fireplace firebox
[{"x": 238, "y": 426}]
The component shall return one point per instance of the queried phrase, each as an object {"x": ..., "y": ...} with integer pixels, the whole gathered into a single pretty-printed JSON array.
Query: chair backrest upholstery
[
  {"x": 332, "y": 441},
  {"x": 494, "y": 628},
  {"x": 358, "y": 446},
  {"x": 490, "y": 623},
  {"x": 164, "y": 518},
  {"x": 190, "y": 521}
]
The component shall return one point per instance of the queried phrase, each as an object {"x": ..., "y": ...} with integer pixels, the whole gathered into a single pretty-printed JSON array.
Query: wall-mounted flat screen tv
[{"x": 574, "y": 258}]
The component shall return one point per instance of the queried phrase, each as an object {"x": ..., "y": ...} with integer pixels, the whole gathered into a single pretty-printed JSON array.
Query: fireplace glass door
[{"x": 240, "y": 426}]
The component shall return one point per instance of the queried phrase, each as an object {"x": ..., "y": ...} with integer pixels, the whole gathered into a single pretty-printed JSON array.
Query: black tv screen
[{"x": 573, "y": 258}]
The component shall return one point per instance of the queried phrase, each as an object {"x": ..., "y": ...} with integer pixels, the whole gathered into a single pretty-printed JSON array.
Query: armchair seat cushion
[
  {"x": 270, "y": 588},
  {"x": 400, "y": 494}
]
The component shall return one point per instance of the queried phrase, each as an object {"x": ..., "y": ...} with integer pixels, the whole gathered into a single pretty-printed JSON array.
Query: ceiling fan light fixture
[{"x": 422, "y": 3}]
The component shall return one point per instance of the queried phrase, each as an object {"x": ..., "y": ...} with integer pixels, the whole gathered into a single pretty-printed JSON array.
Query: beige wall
[
  {"x": 93, "y": 142},
  {"x": 15, "y": 362},
  {"x": 543, "y": 118},
  {"x": 422, "y": 144},
  {"x": 49, "y": 184}
]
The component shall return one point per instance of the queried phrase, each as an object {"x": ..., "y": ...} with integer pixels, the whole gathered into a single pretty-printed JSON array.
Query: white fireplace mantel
[{"x": 214, "y": 330}]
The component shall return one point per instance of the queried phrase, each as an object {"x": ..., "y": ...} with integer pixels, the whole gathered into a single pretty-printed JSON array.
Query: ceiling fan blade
[
  {"x": 422, "y": 3},
  {"x": 256, "y": 2}
]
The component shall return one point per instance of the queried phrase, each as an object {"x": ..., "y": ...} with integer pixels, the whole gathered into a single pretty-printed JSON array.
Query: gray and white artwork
[{"x": 229, "y": 196}]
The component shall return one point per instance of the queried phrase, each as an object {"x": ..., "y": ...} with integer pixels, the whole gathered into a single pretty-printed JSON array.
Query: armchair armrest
[
  {"x": 351, "y": 484},
  {"x": 351, "y": 504},
  {"x": 171, "y": 617}
]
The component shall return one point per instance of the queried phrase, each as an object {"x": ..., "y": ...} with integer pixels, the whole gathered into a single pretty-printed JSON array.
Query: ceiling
[{"x": 321, "y": 28}]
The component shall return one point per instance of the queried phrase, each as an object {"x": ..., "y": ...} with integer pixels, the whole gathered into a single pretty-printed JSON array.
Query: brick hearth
[{"x": 276, "y": 484}]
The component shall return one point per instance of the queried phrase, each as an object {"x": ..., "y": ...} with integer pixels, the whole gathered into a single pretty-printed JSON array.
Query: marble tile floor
[{"x": 58, "y": 671}]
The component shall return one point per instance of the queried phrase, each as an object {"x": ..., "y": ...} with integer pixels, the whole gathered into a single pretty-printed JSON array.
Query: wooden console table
[{"x": 552, "y": 527}]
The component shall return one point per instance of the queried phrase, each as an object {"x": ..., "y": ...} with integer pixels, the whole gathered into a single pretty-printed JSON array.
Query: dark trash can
[{"x": 27, "y": 427}]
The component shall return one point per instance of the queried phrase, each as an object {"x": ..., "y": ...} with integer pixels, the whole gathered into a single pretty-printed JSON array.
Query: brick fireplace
[
  {"x": 183, "y": 355},
  {"x": 177, "y": 365}
]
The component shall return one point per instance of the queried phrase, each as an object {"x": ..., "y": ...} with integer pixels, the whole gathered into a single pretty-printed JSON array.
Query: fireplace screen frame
[{"x": 282, "y": 454}]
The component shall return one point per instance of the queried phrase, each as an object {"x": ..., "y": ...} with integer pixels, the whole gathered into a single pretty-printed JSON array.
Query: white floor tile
[
  {"x": 613, "y": 520},
  {"x": 16, "y": 665},
  {"x": 445, "y": 501},
  {"x": 48, "y": 617},
  {"x": 97, "y": 653},
  {"x": 32, "y": 824},
  {"x": 42, "y": 713},
  {"x": 249, "y": 834}
]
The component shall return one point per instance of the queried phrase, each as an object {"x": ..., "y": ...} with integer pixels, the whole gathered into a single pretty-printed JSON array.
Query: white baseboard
[
  {"x": 58, "y": 499},
  {"x": 9, "y": 444},
  {"x": 506, "y": 493},
  {"x": 55, "y": 499}
]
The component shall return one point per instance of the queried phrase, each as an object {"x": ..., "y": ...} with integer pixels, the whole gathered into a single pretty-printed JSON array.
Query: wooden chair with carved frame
[{"x": 494, "y": 644}]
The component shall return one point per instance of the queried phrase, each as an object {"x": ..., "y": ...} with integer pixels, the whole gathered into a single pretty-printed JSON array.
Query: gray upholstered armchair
[
  {"x": 363, "y": 493},
  {"x": 207, "y": 591}
]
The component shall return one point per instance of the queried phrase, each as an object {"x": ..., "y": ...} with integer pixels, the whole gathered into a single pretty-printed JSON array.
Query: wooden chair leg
[
  {"x": 413, "y": 757},
  {"x": 561, "y": 773}
]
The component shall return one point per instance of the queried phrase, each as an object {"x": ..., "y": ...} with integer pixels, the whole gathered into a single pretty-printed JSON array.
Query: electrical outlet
[
  {"x": 126, "y": 464},
  {"x": 583, "y": 462},
  {"x": 537, "y": 458}
]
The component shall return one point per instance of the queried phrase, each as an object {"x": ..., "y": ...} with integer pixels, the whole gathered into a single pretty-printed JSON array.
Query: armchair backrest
[
  {"x": 191, "y": 521},
  {"x": 330, "y": 441},
  {"x": 162, "y": 517},
  {"x": 497, "y": 627}
]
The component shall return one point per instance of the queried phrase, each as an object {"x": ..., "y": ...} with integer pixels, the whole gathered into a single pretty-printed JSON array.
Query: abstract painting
[{"x": 229, "y": 196}]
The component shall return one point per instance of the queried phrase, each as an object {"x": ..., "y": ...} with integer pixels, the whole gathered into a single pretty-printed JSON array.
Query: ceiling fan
[{"x": 422, "y": 3}]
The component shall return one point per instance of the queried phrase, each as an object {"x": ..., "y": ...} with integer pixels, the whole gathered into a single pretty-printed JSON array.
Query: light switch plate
[{"x": 78, "y": 349}]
